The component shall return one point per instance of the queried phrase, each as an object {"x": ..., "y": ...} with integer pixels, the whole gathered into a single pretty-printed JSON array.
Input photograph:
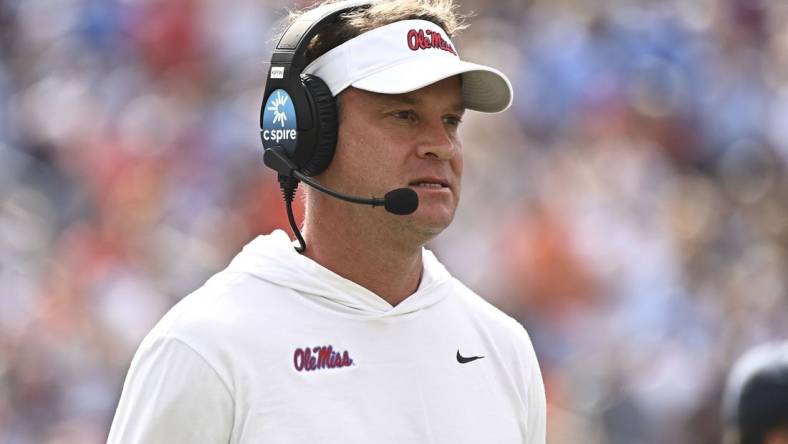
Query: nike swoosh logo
[{"x": 463, "y": 360}]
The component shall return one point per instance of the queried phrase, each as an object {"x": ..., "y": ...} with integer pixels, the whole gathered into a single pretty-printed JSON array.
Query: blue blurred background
[{"x": 631, "y": 208}]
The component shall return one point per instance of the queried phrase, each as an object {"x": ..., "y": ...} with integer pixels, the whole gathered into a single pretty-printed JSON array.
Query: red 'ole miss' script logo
[
  {"x": 318, "y": 358},
  {"x": 421, "y": 39}
]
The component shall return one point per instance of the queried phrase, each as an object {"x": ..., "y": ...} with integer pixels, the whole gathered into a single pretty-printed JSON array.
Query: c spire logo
[
  {"x": 279, "y": 115},
  {"x": 279, "y": 121}
]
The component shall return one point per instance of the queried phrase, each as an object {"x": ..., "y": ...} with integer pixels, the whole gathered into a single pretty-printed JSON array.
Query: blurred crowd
[{"x": 631, "y": 208}]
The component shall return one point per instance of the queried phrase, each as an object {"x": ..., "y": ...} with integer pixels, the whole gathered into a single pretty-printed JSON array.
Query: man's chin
[{"x": 431, "y": 223}]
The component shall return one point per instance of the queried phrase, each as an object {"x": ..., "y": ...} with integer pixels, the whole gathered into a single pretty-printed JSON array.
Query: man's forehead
[{"x": 423, "y": 95}]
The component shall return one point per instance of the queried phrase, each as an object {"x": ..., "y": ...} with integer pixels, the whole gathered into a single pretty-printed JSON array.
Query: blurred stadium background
[{"x": 631, "y": 208}]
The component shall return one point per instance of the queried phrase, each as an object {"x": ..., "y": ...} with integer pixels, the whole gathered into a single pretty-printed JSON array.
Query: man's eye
[
  {"x": 406, "y": 115},
  {"x": 452, "y": 120}
]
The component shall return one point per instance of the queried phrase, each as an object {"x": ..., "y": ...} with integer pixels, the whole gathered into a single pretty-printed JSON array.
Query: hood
[{"x": 273, "y": 259}]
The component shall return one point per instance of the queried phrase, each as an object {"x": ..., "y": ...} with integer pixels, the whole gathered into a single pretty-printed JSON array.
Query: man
[
  {"x": 755, "y": 408},
  {"x": 365, "y": 337}
]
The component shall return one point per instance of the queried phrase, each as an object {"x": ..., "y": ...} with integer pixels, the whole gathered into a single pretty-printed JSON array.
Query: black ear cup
[{"x": 326, "y": 124}]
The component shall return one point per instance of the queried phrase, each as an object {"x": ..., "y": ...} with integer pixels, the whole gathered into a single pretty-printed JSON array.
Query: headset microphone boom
[{"x": 402, "y": 201}]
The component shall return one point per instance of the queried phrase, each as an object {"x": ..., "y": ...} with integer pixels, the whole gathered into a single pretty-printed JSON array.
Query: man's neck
[{"x": 369, "y": 257}]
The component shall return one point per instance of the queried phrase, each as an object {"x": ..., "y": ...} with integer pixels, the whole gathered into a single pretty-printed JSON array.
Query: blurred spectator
[{"x": 755, "y": 407}]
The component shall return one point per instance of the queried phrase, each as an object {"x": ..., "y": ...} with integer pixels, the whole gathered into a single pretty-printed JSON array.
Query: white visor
[{"x": 404, "y": 56}]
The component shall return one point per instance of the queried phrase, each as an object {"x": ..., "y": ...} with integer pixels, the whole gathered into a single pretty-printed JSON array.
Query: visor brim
[{"x": 484, "y": 89}]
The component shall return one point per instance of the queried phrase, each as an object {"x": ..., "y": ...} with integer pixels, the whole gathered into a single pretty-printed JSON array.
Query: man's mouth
[{"x": 432, "y": 183}]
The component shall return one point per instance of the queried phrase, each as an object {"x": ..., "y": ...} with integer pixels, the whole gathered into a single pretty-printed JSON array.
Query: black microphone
[{"x": 401, "y": 201}]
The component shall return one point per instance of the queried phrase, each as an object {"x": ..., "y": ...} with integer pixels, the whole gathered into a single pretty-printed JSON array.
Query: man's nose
[{"x": 437, "y": 142}]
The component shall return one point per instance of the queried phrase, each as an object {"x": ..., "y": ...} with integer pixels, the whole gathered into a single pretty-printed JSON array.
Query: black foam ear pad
[{"x": 326, "y": 124}]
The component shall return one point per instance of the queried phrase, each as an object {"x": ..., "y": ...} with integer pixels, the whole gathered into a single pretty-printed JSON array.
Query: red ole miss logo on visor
[{"x": 421, "y": 39}]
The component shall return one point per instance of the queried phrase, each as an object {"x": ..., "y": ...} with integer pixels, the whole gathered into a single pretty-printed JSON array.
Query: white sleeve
[
  {"x": 535, "y": 399},
  {"x": 537, "y": 405},
  {"x": 172, "y": 395}
]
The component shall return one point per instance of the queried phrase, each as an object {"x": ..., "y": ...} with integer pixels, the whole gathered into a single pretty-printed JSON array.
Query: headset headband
[{"x": 292, "y": 45}]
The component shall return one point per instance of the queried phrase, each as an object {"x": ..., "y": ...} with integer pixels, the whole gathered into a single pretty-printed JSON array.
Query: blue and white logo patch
[{"x": 279, "y": 122}]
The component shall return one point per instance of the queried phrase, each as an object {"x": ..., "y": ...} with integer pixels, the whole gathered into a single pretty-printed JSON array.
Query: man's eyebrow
[
  {"x": 396, "y": 99},
  {"x": 406, "y": 99}
]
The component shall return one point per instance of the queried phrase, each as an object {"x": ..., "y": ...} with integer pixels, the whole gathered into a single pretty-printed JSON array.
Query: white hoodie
[{"x": 277, "y": 349}]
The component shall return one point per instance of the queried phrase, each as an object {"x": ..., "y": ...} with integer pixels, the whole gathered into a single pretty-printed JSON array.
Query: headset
[
  {"x": 299, "y": 119},
  {"x": 299, "y": 112}
]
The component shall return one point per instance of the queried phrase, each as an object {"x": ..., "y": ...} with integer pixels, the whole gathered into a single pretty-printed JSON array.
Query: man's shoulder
[
  {"x": 505, "y": 335},
  {"x": 222, "y": 310},
  {"x": 487, "y": 315}
]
